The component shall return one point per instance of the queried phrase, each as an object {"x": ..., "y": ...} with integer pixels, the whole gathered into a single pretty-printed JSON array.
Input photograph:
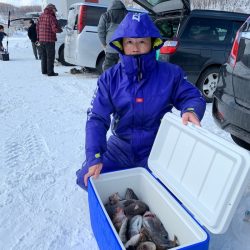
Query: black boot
[{"x": 53, "y": 74}]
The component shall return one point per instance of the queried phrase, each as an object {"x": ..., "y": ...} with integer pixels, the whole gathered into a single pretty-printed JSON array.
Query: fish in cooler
[{"x": 137, "y": 227}]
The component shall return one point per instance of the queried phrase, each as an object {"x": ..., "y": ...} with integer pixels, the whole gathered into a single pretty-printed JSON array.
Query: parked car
[
  {"x": 82, "y": 44},
  {"x": 59, "y": 45},
  {"x": 197, "y": 40},
  {"x": 231, "y": 104}
]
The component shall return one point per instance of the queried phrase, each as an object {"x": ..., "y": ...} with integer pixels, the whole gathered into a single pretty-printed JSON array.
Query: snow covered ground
[{"x": 42, "y": 122}]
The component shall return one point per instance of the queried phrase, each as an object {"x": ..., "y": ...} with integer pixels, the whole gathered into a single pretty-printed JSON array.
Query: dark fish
[
  {"x": 147, "y": 245},
  {"x": 114, "y": 198},
  {"x": 135, "y": 224},
  {"x": 131, "y": 248},
  {"x": 118, "y": 218},
  {"x": 135, "y": 207},
  {"x": 114, "y": 201},
  {"x": 111, "y": 209},
  {"x": 123, "y": 230},
  {"x": 156, "y": 232},
  {"x": 131, "y": 206},
  {"x": 130, "y": 194}
]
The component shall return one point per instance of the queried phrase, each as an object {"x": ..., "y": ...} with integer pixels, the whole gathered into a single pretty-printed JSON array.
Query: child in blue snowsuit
[{"x": 136, "y": 92}]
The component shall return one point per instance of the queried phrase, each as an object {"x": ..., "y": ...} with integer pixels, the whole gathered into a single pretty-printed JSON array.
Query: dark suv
[
  {"x": 197, "y": 40},
  {"x": 231, "y": 105}
]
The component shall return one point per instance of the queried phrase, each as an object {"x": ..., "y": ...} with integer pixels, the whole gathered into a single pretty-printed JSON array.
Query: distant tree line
[
  {"x": 226, "y": 5},
  {"x": 17, "y": 11}
]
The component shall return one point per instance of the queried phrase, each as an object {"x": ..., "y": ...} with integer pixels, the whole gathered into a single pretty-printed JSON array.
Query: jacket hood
[
  {"x": 49, "y": 11},
  {"x": 116, "y": 5},
  {"x": 136, "y": 25},
  {"x": 51, "y": 6}
]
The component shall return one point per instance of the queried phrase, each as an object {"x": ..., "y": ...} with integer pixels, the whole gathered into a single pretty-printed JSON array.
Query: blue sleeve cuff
[{"x": 94, "y": 159}]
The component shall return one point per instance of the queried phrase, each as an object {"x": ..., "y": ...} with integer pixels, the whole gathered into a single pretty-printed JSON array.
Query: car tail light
[
  {"x": 81, "y": 18},
  {"x": 235, "y": 50},
  {"x": 169, "y": 47}
]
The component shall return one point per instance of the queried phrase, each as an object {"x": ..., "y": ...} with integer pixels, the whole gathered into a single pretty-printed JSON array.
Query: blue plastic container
[{"x": 196, "y": 183}]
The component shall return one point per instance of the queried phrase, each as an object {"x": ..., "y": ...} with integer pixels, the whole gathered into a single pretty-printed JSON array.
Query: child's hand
[
  {"x": 190, "y": 117},
  {"x": 93, "y": 170}
]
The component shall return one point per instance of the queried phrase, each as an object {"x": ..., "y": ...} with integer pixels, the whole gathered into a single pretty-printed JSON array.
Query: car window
[
  {"x": 248, "y": 27},
  {"x": 167, "y": 27},
  {"x": 91, "y": 16},
  {"x": 245, "y": 28},
  {"x": 155, "y": 2},
  {"x": 62, "y": 22},
  {"x": 71, "y": 18},
  {"x": 76, "y": 21},
  {"x": 94, "y": 14},
  {"x": 244, "y": 51},
  {"x": 236, "y": 26},
  {"x": 206, "y": 29}
]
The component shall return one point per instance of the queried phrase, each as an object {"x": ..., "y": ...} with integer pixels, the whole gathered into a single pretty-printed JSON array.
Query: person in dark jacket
[
  {"x": 33, "y": 38},
  {"x": 137, "y": 92},
  {"x": 108, "y": 23},
  {"x": 2, "y": 35},
  {"x": 47, "y": 27}
]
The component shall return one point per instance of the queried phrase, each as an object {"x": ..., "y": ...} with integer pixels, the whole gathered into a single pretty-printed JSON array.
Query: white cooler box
[{"x": 196, "y": 183}]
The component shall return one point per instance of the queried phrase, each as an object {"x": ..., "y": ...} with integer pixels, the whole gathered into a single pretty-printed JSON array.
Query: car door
[
  {"x": 71, "y": 33},
  {"x": 241, "y": 73},
  {"x": 203, "y": 42}
]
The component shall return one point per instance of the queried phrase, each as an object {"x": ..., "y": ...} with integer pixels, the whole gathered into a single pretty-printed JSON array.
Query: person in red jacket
[{"x": 47, "y": 27}]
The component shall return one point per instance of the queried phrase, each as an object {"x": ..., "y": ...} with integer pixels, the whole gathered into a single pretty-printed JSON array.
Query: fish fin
[{"x": 130, "y": 194}]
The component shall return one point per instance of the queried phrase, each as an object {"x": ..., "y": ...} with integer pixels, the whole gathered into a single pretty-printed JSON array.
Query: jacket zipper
[{"x": 139, "y": 74}]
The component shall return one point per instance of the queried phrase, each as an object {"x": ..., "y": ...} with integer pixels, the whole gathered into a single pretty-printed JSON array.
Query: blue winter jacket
[{"x": 136, "y": 93}]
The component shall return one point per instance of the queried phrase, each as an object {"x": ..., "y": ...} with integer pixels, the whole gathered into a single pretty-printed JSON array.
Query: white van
[{"x": 82, "y": 45}]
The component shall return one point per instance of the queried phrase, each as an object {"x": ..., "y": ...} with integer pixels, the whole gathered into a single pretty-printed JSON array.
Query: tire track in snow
[
  {"x": 26, "y": 151},
  {"x": 26, "y": 172}
]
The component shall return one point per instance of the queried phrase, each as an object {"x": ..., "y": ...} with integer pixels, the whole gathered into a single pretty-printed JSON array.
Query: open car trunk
[
  {"x": 168, "y": 14},
  {"x": 163, "y": 7}
]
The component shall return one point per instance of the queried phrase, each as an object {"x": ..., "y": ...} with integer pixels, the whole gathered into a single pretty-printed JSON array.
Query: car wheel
[
  {"x": 99, "y": 64},
  {"x": 61, "y": 58},
  {"x": 240, "y": 142},
  {"x": 207, "y": 83}
]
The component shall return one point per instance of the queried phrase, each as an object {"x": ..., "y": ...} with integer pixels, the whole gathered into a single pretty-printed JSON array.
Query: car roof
[
  {"x": 88, "y": 4},
  {"x": 23, "y": 19},
  {"x": 106, "y": 6},
  {"x": 220, "y": 14}
]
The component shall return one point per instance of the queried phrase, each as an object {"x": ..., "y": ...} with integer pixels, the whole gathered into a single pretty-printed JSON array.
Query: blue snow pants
[{"x": 119, "y": 156}]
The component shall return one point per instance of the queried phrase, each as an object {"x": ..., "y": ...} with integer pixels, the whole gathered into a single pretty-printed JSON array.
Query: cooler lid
[{"x": 205, "y": 172}]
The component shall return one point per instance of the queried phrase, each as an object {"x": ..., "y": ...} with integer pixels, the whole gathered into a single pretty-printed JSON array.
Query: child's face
[
  {"x": 2, "y": 30},
  {"x": 136, "y": 46}
]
